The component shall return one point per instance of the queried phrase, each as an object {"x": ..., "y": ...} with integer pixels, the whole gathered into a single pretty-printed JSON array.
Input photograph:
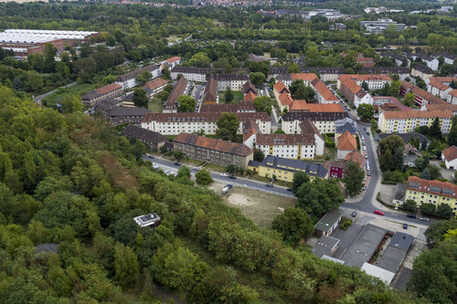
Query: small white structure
[
  {"x": 375, "y": 271},
  {"x": 147, "y": 220},
  {"x": 449, "y": 157}
]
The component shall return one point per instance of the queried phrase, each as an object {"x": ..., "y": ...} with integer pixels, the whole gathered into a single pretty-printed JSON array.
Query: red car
[{"x": 378, "y": 212}]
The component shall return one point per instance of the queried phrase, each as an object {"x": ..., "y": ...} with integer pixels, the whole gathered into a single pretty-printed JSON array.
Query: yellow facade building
[
  {"x": 407, "y": 121},
  {"x": 283, "y": 169},
  {"x": 431, "y": 191}
]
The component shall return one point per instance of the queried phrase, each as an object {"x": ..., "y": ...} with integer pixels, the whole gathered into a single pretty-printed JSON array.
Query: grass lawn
[
  {"x": 237, "y": 96},
  {"x": 62, "y": 93},
  {"x": 155, "y": 105}
]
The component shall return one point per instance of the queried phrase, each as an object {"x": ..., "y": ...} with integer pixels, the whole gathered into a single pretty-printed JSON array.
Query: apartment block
[{"x": 407, "y": 121}]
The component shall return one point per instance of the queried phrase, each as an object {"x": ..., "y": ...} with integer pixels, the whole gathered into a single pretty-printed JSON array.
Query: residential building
[
  {"x": 212, "y": 150},
  {"x": 406, "y": 122},
  {"x": 345, "y": 144},
  {"x": 172, "y": 62},
  {"x": 398, "y": 59},
  {"x": 307, "y": 78},
  {"x": 295, "y": 146},
  {"x": 345, "y": 125},
  {"x": 327, "y": 74},
  {"x": 441, "y": 86},
  {"x": 452, "y": 98},
  {"x": 107, "y": 91},
  {"x": 431, "y": 191},
  {"x": 176, "y": 123},
  {"x": 379, "y": 26},
  {"x": 280, "y": 88},
  {"x": 402, "y": 72},
  {"x": 128, "y": 80},
  {"x": 249, "y": 87},
  {"x": 153, "y": 139},
  {"x": 234, "y": 81},
  {"x": 249, "y": 97},
  {"x": 180, "y": 88},
  {"x": 422, "y": 71},
  {"x": 121, "y": 115},
  {"x": 274, "y": 71},
  {"x": 283, "y": 169},
  {"x": 155, "y": 86},
  {"x": 421, "y": 97},
  {"x": 242, "y": 107},
  {"x": 323, "y": 94},
  {"x": 324, "y": 121},
  {"x": 285, "y": 79},
  {"x": 446, "y": 106},
  {"x": 191, "y": 73},
  {"x": 24, "y": 42},
  {"x": 366, "y": 62},
  {"x": 336, "y": 169},
  {"x": 431, "y": 62},
  {"x": 449, "y": 157},
  {"x": 210, "y": 95},
  {"x": 351, "y": 87}
]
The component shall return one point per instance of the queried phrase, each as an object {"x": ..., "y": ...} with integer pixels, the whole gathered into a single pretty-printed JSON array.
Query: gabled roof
[
  {"x": 249, "y": 87},
  {"x": 144, "y": 134},
  {"x": 423, "y": 69},
  {"x": 250, "y": 96},
  {"x": 285, "y": 99},
  {"x": 108, "y": 88},
  {"x": 210, "y": 93},
  {"x": 434, "y": 187},
  {"x": 173, "y": 59},
  {"x": 292, "y": 165},
  {"x": 284, "y": 139},
  {"x": 213, "y": 144},
  {"x": 303, "y": 76},
  {"x": 421, "y": 93},
  {"x": 280, "y": 87},
  {"x": 323, "y": 91},
  {"x": 356, "y": 157},
  {"x": 346, "y": 142},
  {"x": 297, "y": 105},
  {"x": 450, "y": 153},
  {"x": 322, "y": 107},
  {"x": 417, "y": 114},
  {"x": 154, "y": 84}
]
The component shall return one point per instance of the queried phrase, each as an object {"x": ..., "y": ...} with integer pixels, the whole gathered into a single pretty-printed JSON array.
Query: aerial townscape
[{"x": 228, "y": 151}]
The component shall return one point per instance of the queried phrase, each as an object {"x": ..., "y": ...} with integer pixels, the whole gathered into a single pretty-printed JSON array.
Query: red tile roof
[
  {"x": 297, "y": 105},
  {"x": 322, "y": 89},
  {"x": 108, "y": 88},
  {"x": 303, "y": 76},
  {"x": 154, "y": 84},
  {"x": 356, "y": 157},
  {"x": 173, "y": 59},
  {"x": 450, "y": 153},
  {"x": 421, "y": 93},
  {"x": 322, "y": 107},
  {"x": 417, "y": 114},
  {"x": 346, "y": 142},
  {"x": 280, "y": 87},
  {"x": 213, "y": 144},
  {"x": 440, "y": 86},
  {"x": 285, "y": 99},
  {"x": 250, "y": 96},
  {"x": 434, "y": 187},
  {"x": 443, "y": 107}
]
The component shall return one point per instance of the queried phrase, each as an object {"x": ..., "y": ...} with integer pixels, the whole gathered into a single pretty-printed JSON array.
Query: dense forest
[{"x": 74, "y": 181}]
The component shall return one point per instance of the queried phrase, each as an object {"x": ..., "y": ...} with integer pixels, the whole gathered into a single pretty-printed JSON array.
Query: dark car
[
  {"x": 177, "y": 163},
  {"x": 232, "y": 176},
  {"x": 405, "y": 226},
  {"x": 411, "y": 215},
  {"x": 354, "y": 214},
  {"x": 269, "y": 185}
]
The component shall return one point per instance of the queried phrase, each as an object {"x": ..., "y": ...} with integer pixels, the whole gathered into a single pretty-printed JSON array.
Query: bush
[
  {"x": 345, "y": 223},
  {"x": 409, "y": 205},
  {"x": 428, "y": 209}
]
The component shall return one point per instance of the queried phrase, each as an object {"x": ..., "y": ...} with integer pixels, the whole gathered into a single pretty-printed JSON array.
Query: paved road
[
  {"x": 38, "y": 99},
  {"x": 165, "y": 165}
]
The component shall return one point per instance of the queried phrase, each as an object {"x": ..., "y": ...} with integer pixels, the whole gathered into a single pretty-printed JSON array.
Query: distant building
[
  {"x": 242, "y": 107},
  {"x": 107, "y": 91},
  {"x": 148, "y": 220},
  {"x": 234, "y": 81},
  {"x": 284, "y": 169},
  {"x": 323, "y": 94},
  {"x": 431, "y": 62},
  {"x": 212, "y": 150},
  {"x": 351, "y": 87},
  {"x": 324, "y": 121},
  {"x": 422, "y": 71},
  {"x": 326, "y": 73},
  {"x": 346, "y": 144},
  {"x": 155, "y": 86},
  {"x": 191, "y": 73},
  {"x": 382, "y": 24},
  {"x": 24, "y": 42},
  {"x": 171, "y": 105},
  {"x": 128, "y": 80},
  {"x": 210, "y": 95},
  {"x": 421, "y": 97},
  {"x": 153, "y": 139},
  {"x": 172, "y": 62}
]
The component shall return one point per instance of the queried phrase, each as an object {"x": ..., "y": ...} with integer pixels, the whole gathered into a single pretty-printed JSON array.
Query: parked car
[
  {"x": 177, "y": 163},
  {"x": 269, "y": 185},
  {"x": 354, "y": 214},
  {"x": 364, "y": 148},
  {"x": 368, "y": 173},
  {"x": 405, "y": 226},
  {"x": 378, "y": 212},
  {"x": 364, "y": 188},
  {"x": 232, "y": 176},
  {"x": 411, "y": 215},
  {"x": 366, "y": 156},
  {"x": 150, "y": 156},
  {"x": 424, "y": 219},
  {"x": 224, "y": 174}
]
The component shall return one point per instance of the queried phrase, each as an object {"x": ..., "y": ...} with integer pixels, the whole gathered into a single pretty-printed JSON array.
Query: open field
[
  {"x": 237, "y": 96},
  {"x": 261, "y": 207},
  {"x": 63, "y": 93},
  {"x": 155, "y": 105}
]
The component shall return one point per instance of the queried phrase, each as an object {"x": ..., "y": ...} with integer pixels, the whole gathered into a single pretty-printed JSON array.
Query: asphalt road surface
[{"x": 38, "y": 99}]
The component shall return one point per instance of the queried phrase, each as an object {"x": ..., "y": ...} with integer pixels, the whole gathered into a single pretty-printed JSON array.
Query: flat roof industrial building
[{"x": 24, "y": 42}]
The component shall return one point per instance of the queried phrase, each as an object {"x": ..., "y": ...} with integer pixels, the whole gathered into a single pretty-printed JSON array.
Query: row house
[
  {"x": 180, "y": 88},
  {"x": 153, "y": 139},
  {"x": 191, "y": 73},
  {"x": 241, "y": 107},
  {"x": 326, "y": 74},
  {"x": 128, "y": 80},
  {"x": 441, "y": 86},
  {"x": 422, "y": 71},
  {"x": 212, "y": 150},
  {"x": 407, "y": 121},
  {"x": 434, "y": 192},
  {"x": 429, "y": 61},
  {"x": 351, "y": 87},
  {"x": 176, "y": 123},
  {"x": 421, "y": 97},
  {"x": 323, "y": 94},
  {"x": 172, "y": 62},
  {"x": 323, "y": 121},
  {"x": 210, "y": 94},
  {"x": 154, "y": 86},
  {"x": 233, "y": 81},
  {"x": 107, "y": 91},
  {"x": 402, "y": 72},
  {"x": 121, "y": 115}
]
